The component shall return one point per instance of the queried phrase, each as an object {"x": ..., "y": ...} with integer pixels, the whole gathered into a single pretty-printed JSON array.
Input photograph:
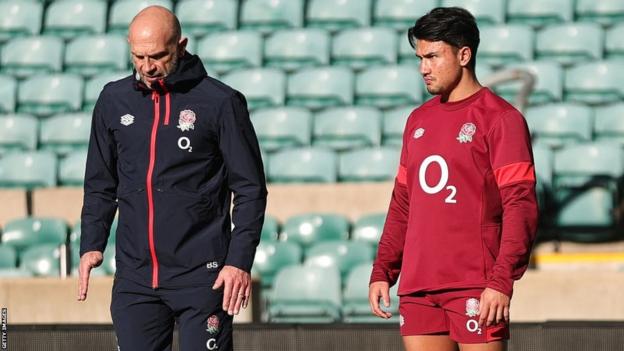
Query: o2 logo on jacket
[
  {"x": 444, "y": 175},
  {"x": 184, "y": 143}
]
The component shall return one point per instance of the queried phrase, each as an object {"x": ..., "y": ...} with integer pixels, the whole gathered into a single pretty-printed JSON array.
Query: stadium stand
[
  {"x": 487, "y": 12},
  {"x": 263, "y": 87},
  {"x": 71, "y": 19},
  {"x": 560, "y": 123},
  {"x": 64, "y": 133},
  {"x": 400, "y": 14},
  {"x": 355, "y": 305},
  {"x": 368, "y": 164},
  {"x": 234, "y": 50},
  {"x": 345, "y": 128},
  {"x": 28, "y": 170},
  {"x": 321, "y": 87},
  {"x": 364, "y": 47},
  {"x": 20, "y": 18},
  {"x": 18, "y": 132},
  {"x": 307, "y": 164},
  {"x": 272, "y": 256},
  {"x": 44, "y": 95},
  {"x": 121, "y": 12},
  {"x": 266, "y": 16},
  {"x": 310, "y": 228},
  {"x": 201, "y": 17},
  {"x": 26, "y": 56},
  {"x": 91, "y": 55},
  {"x": 338, "y": 15},
  {"x": 294, "y": 49},
  {"x": 388, "y": 86},
  {"x": 539, "y": 13},
  {"x": 570, "y": 43},
  {"x": 282, "y": 127}
]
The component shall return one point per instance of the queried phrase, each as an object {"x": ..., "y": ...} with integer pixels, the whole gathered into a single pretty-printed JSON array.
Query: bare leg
[
  {"x": 429, "y": 343},
  {"x": 490, "y": 346}
]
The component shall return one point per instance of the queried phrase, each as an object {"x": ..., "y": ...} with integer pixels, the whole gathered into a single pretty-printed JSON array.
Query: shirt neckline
[{"x": 456, "y": 105}]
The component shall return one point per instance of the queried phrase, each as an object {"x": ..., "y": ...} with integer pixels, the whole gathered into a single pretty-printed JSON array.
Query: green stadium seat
[
  {"x": 539, "y": 13},
  {"x": 355, "y": 307},
  {"x": 95, "y": 84},
  {"x": 8, "y": 94},
  {"x": 363, "y": 47},
  {"x": 28, "y": 170},
  {"x": 70, "y": 19},
  {"x": 543, "y": 158},
  {"x": 25, "y": 232},
  {"x": 64, "y": 133},
  {"x": 23, "y": 57},
  {"x": 72, "y": 168},
  {"x": 267, "y": 16},
  {"x": 270, "y": 229},
  {"x": 338, "y": 15},
  {"x": 263, "y": 87},
  {"x": 18, "y": 133},
  {"x": 19, "y": 18},
  {"x": 388, "y": 86},
  {"x": 123, "y": 11},
  {"x": 50, "y": 94},
  {"x": 201, "y": 17},
  {"x": 227, "y": 51},
  {"x": 344, "y": 128},
  {"x": 483, "y": 71},
  {"x": 369, "y": 228},
  {"x": 108, "y": 262},
  {"x": 505, "y": 44},
  {"x": 90, "y": 55},
  {"x": 570, "y": 43},
  {"x": 303, "y": 165},
  {"x": 614, "y": 42},
  {"x": 605, "y": 12},
  {"x": 341, "y": 254},
  {"x": 295, "y": 49},
  {"x": 597, "y": 82},
  {"x": 273, "y": 256},
  {"x": 394, "y": 125},
  {"x": 74, "y": 236},
  {"x": 560, "y": 124},
  {"x": 8, "y": 257},
  {"x": 609, "y": 123},
  {"x": 548, "y": 85},
  {"x": 369, "y": 164},
  {"x": 310, "y": 228},
  {"x": 400, "y": 14},
  {"x": 321, "y": 87},
  {"x": 487, "y": 12},
  {"x": 407, "y": 54},
  {"x": 282, "y": 127},
  {"x": 305, "y": 295},
  {"x": 43, "y": 260}
]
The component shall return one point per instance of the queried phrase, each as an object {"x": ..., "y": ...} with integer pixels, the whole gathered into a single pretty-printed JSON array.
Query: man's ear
[
  {"x": 182, "y": 46},
  {"x": 464, "y": 54}
]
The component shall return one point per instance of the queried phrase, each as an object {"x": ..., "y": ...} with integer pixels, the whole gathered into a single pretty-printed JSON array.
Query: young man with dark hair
[{"x": 463, "y": 213}]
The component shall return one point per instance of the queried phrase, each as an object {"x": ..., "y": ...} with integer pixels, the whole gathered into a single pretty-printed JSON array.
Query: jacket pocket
[{"x": 490, "y": 236}]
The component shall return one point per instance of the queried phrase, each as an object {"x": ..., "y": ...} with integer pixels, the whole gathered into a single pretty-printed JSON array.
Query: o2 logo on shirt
[
  {"x": 442, "y": 183},
  {"x": 184, "y": 143}
]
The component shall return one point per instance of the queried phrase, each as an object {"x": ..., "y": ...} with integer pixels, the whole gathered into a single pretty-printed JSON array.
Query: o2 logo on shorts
[
  {"x": 473, "y": 326},
  {"x": 211, "y": 344},
  {"x": 184, "y": 143},
  {"x": 444, "y": 175}
]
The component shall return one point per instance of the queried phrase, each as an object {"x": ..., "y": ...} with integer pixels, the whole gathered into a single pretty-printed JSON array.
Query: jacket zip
[
  {"x": 149, "y": 188},
  {"x": 167, "y": 101}
]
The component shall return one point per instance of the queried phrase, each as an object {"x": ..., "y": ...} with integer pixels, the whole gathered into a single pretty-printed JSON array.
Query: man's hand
[
  {"x": 376, "y": 291},
  {"x": 493, "y": 307},
  {"x": 236, "y": 288},
  {"x": 88, "y": 261}
]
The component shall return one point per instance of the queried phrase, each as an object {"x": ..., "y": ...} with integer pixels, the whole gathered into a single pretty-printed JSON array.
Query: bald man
[{"x": 169, "y": 146}]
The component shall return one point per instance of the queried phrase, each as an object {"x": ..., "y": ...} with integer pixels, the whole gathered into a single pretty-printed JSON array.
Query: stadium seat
[
  {"x": 321, "y": 87},
  {"x": 74, "y": 236},
  {"x": 341, "y": 254},
  {"x": 609, "y": 123},
  {"x": 369, "y": 165},
  {"x": 273, "y": 256},
  {"x": 363, "y": 47},
  {"x": 560, "y": 124},
  {"x": 355, "y": 306},
  {"x": 42, "y": 260},
  {"x": 539, "y": 13},
  {"x": 28, "y": 170},
  {"x": 303, "y": 165},
  {"x": 266, "y": 16},
  {"x": 90, "y": 55},
  {"x": 570, "y": 43},
  {"x": 263, "y": 87},
  {"x": 400, "y": 14},
  {"x": 70, "y": 19},
  {"x": 50, "y": 94},
  {"x": 23, "y": 57},
  {"x": 72, "y": 168},
  {"x": 548, "y": 85},
  {"x": 8, "y": 94},
  {"x": 108, "y": 263},
  {"x": 407, "y": 54},
  {"x": 18, "y": 133},
  {"x": 95, "y": 84},
  {"x": 270, "y": 229},
  {"x": 25, "y": 232},
  {"x": 597, "y": 82},
  {"x": 282, "y": 127},
  {"x": 543, "y": 158},
  {"x": 227, "y": 51},
  {"x": 605, "y": 12},
  {"x": 487, "y": 12},
  {"x": 65, "y": 132},
  {"x": 123, "y": 11},
  {"x": 201, "y": 17},
  {"x": 389, "y": 86},
  {"x": 8, "y": 257},
  {"x": 338, "y": 15},
  {"x": 505, "y": 44},
  {"x": 310, "y": 228},
  {"x": 344, "y": 128},
  {"x": 295, "y": 49},
  {"x": 369, "y": 228},
  {"x": 20, "y": 18},
  {"x": 394, "y": 124},
  {"x": 305, "y": 295},
  {"x": 614, "y": 42}
]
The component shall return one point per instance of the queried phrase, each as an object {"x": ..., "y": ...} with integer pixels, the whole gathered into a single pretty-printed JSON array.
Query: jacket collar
[{"x": 188, "y": 73}]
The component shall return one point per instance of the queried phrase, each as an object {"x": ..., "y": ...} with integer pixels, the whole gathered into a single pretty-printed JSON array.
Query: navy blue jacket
[{"x": 170, "y": 159}]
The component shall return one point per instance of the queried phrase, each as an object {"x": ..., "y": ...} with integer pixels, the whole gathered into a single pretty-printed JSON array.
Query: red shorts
[{"x": 452, "y": 312}]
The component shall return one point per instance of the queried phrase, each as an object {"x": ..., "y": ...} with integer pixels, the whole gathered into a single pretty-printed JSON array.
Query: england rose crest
[
  {"x": 466, "y": 132},
  {"x": 212, "y": 324},
  {"x": 187, "y": 120},
  {"x": 472, "y": 307}
]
